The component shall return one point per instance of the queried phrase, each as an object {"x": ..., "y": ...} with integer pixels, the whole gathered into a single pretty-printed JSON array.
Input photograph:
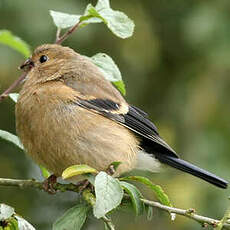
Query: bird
[{"x": 68, "y": 113}]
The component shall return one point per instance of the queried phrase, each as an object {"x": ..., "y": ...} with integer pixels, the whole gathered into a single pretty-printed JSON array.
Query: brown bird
[{"x": 68, "y": 114}]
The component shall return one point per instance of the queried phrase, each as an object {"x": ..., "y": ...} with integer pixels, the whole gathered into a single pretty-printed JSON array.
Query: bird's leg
[
  {"x": 111, "y": 170},
  {"x": 82, "y": 184},
  {"x": 48, "y": 184}
]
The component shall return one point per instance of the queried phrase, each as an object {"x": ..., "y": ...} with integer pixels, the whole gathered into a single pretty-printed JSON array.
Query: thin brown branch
[
  {"x": 67, "y": 33},
  {"x": 71, "y": 187},
  {"x": 15, "y": 84}
]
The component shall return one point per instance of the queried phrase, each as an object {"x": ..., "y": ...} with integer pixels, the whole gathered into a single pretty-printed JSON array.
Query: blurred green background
[{"x": 176, "y": 67}]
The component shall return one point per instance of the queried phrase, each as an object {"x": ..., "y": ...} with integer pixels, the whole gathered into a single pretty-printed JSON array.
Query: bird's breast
[{"x": 57, "y": 133}]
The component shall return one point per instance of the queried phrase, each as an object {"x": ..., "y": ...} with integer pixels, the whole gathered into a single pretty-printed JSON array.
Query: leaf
[
  {"x": 11, "y": 138},
  {"x": 73, "y": 219},
  {"x": 107, "y": 66},
  {"x": 63, "y": 20},
  {"x": 14, "y": 96},
  {"x": 120, "y": 85},
  {"x": 23, "y": 224},
  {"x": 76, "y": 170},
  {"x": 6, "y": 212},
  {"x": 135, "y": 196},
  {"x": 45, "y": 173},
  {"x": 108, "y": 192},
  {"x": 12, "y": 223},
  {"x": 117, "y": 21},
  {"x": 7, "y": 38},
  {"x": 160, "y": 194}
]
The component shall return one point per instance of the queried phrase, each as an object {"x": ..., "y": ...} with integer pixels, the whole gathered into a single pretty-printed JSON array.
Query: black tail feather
[{"x": 192, "y": 169}]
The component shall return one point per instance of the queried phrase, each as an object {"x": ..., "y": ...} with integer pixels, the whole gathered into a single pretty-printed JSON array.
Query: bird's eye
[{"x": 43, "y": 58}]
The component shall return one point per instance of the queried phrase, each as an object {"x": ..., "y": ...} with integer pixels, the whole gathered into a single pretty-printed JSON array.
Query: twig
[
  {"x": 16, "y": 83},
  {"x": 182, "y": 212},
  {"x": 87, "y": 195},
  {"x": 108, "y": 223},
  {"x": 67, "y": 33},
  {"x": 224, "y": 220}
]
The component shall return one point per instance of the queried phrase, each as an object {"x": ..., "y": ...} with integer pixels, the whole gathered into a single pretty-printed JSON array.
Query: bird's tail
[{"x": 192, "y": 169}]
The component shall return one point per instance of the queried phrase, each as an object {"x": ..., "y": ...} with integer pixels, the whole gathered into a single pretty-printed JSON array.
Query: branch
[
  {"x": 89, "y": 197},
  {"x": 16, "y": 83},
  {"x": 67, "y": 33},
  {"x": 59, "y": 40},
  {"x": 190, "y": 213}
]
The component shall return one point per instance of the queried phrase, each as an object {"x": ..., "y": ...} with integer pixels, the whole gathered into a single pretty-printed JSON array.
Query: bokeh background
[{"x": 176, "y": 67}]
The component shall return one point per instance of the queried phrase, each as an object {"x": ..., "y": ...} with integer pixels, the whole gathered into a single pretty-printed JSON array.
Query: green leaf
[
  {"x": 160, "y": 194},
  {"x": 45, "y": 173},
  {"x": 107, "y": 66},
  {"x": 7, "y": 38},
  {"x": 109, "y": 70},
  {"x": 76, "y": 170},
  {"x": 108, "y": 192},
  {"x": 11, "y": 138},
  {"x": 14, "y": 96},
  {"x": 135, "y": 196},
  {"x": 12, "y": 223},
  {"x": 120, "y": 85},
  {"x": 102, "y": 4},
  {"x": 63, "y": 20},
  {"x": 23, "y": 224},
  {"x": 73, "y": 219},
  {"x": 6, "y": 212},
  {"x": 117, "y": 21}
]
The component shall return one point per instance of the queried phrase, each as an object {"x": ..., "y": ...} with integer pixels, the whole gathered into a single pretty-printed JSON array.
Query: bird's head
[{"x": 47, "y": 61}]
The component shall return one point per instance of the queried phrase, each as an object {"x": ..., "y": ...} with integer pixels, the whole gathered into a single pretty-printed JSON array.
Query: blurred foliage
[{"x": 176, "y": 67}]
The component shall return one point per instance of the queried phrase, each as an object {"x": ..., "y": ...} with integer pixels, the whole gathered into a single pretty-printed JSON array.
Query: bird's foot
[
  {"x": 48, "y": 184},
  {"x": 111, "y": 170},
  {"x": 82, "y": 185}
]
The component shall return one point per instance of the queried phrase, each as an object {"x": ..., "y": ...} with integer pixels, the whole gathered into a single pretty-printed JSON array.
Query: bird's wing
[{"x": 132, "y": 118}]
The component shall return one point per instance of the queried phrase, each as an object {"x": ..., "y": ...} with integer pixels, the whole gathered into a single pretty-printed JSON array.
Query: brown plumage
[{"x": 68, "y": 113}]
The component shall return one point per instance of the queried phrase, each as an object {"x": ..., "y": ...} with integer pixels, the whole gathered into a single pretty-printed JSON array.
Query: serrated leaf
[
  {"x": 6, "y": 212},
  {"x": 63, "y": 20},
  {"x": 108, "y": 192},
  {"x": 23, "y": 224},
  {"x": 135, "y": 196},
  {"x": 160, "y": 194},
  {"x": 45, "y": 173},
  {"x": 11, "y": 138},
  {"x": 76, "y": 170},
  {"x": 120, "y": 85},
  {"x": 14, "y": 96},
  {"x": 73, "y": 219},
  {"x": 7, "y": 38}
]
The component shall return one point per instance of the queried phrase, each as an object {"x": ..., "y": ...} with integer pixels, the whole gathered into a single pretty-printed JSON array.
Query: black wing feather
[{"x": 136, "y": 120}]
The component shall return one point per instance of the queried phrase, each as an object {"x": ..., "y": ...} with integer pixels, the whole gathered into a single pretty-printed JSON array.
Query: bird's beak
[{"x": 27, "y": 65}]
